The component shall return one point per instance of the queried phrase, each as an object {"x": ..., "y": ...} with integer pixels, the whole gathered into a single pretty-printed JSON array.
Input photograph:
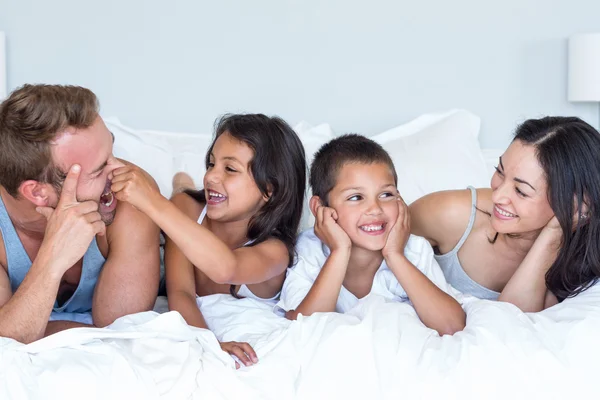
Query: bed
[{"x": 379, "y": 350}]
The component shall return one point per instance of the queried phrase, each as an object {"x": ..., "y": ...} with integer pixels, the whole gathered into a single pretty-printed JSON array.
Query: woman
[{"x": 533, "y": 239}]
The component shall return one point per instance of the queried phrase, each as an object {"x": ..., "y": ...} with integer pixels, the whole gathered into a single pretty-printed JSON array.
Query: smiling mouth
[
  {"x": 372, "y": 228},
  {"x": 504, "y": 213},
  {"x": 216, "y": 196}
]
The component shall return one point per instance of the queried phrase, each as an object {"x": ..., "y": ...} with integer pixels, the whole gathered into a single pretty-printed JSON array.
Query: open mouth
[
  {"x": 107, "y": 199},
  {"x": 215, "y": 197}
]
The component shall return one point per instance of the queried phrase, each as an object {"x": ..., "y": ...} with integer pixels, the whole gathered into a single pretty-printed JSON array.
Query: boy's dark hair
[{"x": 330, "y": 158}]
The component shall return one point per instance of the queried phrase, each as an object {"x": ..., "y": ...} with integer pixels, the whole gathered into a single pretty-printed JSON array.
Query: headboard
[{"x": 2, "y": 66}]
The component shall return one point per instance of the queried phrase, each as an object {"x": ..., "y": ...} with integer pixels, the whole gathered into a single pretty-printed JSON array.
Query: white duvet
[{"x": 379, "y": 349}]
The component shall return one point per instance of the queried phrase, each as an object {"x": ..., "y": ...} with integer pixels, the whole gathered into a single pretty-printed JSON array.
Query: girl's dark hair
[
  {"x": 568, "y": 150},
  {"x": 278, "y": 165}
]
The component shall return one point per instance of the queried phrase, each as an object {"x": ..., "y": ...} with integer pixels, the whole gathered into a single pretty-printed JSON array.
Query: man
[{"x": 67, "y": 247}]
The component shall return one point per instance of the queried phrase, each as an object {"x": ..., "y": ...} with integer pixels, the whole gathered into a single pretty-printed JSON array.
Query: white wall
[{"x": 363, "y": 66}]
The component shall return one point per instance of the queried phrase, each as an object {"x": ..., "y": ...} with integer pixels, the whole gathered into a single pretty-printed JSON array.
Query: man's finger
[
  {"x": 69, "y": 187},
  {"x": 45, "y": 211}
]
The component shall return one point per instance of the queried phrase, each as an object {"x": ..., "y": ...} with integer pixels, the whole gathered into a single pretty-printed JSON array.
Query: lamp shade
[{"x": 584, "y": 67}]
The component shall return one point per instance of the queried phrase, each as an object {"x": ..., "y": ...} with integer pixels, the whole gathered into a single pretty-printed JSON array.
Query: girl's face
[
  {"x": 520, "y": 192},
  {"x": 231, "y": 192}
]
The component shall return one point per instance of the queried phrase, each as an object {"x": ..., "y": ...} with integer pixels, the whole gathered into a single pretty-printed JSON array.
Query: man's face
[{"x": 91, "y": 148}]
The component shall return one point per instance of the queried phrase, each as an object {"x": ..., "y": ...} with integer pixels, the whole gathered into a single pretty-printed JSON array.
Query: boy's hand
[
  {"x": 328, "y": 230},
  {"x": 400, "y": 232},
  {"x": 135, "y": 186}
]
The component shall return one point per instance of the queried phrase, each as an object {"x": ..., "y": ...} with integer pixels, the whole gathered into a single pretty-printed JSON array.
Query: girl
[
  {"x": 237, "y": 235},
  {"x": 533, "y": 238}
]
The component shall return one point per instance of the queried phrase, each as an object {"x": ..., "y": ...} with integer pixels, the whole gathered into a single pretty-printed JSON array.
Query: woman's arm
[{"x": 527, "y": 287}]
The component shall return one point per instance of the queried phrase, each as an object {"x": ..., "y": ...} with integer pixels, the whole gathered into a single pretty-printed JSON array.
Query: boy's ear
[
  {"x": 313, "y": 203},
  {"x": 36, "y": 192}
]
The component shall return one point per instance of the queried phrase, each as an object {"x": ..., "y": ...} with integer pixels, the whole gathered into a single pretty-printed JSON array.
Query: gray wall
[{"x": 362, "y": 66}]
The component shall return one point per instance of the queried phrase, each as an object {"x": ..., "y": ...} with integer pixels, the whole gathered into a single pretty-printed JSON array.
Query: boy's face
[{"x": 364, "y": 198}]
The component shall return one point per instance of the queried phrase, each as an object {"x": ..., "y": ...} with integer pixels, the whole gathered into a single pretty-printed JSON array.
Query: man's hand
[
  {"x": 328, "y": 230},
  {"x": 135, "y": 186},
  {"x": 400, "y": 232},
  {"x": 71, "y": 225}
]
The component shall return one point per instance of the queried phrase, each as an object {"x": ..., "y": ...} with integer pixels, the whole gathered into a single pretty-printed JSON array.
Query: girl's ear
[
  {"x": 267, "y": 196},
  {"x": 313, "y": 203}
]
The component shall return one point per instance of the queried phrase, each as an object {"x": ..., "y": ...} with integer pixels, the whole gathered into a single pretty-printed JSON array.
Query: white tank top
[{"x": 244, "y": 291}]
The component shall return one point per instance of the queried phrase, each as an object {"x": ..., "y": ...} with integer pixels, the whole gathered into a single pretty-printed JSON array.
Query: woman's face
[{"x": 520, "y": 192}]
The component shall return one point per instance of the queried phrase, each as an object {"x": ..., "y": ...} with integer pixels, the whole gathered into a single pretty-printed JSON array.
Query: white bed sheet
[{"x": 378, "y": 350}]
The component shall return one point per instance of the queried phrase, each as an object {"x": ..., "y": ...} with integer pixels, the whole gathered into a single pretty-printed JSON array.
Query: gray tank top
[
  {"x": 454, "y": 272},
  {"x": 19, "y": 264}
]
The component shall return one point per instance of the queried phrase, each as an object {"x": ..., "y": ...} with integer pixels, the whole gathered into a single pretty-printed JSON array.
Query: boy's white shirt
[{"x": 312, "y": 254}]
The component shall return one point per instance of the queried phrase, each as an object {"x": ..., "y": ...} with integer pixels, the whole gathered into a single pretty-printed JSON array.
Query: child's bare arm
[
  {"x": 323, "y": 295},
  {"x": 435, "y": 308},
  {"x": 325, "y": 291}
]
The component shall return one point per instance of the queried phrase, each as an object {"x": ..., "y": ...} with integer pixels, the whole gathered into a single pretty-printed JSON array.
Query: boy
[{"x": 361, "y": 241}]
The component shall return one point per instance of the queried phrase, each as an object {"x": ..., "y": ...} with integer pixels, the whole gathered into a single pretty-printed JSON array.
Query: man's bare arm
[
  {"x": 24, "y": 314},
  {"x": 58, "y": 326},
  {"x": 129, "y": 279}
]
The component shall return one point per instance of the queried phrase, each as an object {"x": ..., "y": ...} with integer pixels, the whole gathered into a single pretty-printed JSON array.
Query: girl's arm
[
  {"x": 179, "y": 275},
  {"x": 246, "y": 265}
]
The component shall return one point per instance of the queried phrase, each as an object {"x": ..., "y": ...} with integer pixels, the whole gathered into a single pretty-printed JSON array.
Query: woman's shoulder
[{"x": 444, "y": 215}]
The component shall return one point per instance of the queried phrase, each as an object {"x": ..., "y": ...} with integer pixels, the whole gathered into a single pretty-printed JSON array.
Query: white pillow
[
  {"x": 312, "y": 137},
  {"x": 161, "y": 154},
  {"x": 436, "y": 152}
]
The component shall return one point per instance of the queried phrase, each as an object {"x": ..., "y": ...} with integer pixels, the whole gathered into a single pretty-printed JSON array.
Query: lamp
[{"x": 584, "y": 68}]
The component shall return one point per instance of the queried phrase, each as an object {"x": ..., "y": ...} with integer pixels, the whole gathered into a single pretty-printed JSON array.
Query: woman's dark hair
[
  {"x": 568, "y": 150},
  {"x": 278, "y": 165}
]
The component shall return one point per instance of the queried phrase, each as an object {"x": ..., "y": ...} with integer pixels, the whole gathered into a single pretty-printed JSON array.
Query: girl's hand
[
  {"x": 328, "y": 230},
  {"x": 400, "y": 232},
  {"x": 135, "y": 186},
  {"x": 242, "y": 350}
]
